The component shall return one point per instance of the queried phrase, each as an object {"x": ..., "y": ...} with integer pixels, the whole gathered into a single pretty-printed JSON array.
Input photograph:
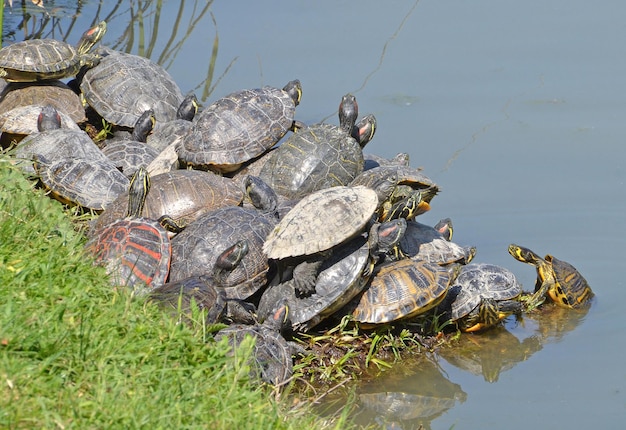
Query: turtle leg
[
  {"x": 539, "y": 296},
  {"x": 239, "y": 312}
]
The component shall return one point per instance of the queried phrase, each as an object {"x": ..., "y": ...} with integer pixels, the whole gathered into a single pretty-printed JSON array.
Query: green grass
[{"x": 76, "y": 353}]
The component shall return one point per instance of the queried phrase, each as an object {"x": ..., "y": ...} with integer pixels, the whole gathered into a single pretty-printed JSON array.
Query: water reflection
[{"x": 410, "y": 396}]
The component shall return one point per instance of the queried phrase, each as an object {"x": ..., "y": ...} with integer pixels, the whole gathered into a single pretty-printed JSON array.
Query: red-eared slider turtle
[
  {"x": 341, "y": 277},
  {"x": 123, "y": 86},
  {"x": 422, "y": 242},
  {"x": 240, "y": 127},
  {"x": 130, "y": 154},
  {"x": 394, "y": 184},
  {"x": 23, "y": 120},
  {"x": 317, "y": 156},
  {"x": 555, "y": 278},
  {"x": 39, "y": 59},
  {"x": 272, "y": 359},
  {"x": 401, "y": 290},
  {"x": 205, "y": 291},
  {"x": 55, "y": 143},
  {"x": 320, "y": 221},
  {"x": 196, "y": 248},
  {"x": 52, "y": 92},
  {"x": 135, "y": 250},
  {"x": 483, "y": 295},
  {"x": 92, "y": 184},
  {"x": 182, "y": 195}
]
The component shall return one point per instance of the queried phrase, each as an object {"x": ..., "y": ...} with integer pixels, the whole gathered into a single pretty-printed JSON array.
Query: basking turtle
[
  {"x": 197, "y": 247},
  {"x": 92, "y": 184},
  {"x": 135, "y": 250},
  {"x": 182, "y": 195},
  {"x": 23, "y": 120},
  {"x": 341, "y": 277},
  {"x": 317, "y": 156},
  {"x": 39, "y": 59},
  {"x": 272, "y": 358},
  {"x": 55, "y": 143},
  {"x": 320, "y": 221},
  {"x": 123, "y": 86},
  {"x": 240, "y": 127},
  {"x": 483, "y": 295},
  {"x": 53, "y": 92},
  {"x": 373, "y": 160},
  {"x": 205, "y": 291},
  {"x": 401, "y": 290},
  {"x": 422, "y": 242},
  {"x": 555, "y": 278}
]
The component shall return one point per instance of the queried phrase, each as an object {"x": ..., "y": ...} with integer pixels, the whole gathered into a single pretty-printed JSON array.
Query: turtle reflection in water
[{"x": 415, "y": 398}]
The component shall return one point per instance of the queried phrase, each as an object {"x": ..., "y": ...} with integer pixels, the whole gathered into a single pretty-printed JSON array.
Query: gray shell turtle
[
  {"x": 317, "y": 156},
  {"x": 38, "y": 59},
  {"x": 240, "y": 127},
  {"x": 483, "y": 281},
  {"x": 123, "y": 86},
  {"x": 320, "y": 221},
  {"x": 22, "y": 120}
]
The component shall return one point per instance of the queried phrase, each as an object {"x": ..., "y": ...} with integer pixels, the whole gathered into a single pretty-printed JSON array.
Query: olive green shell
[
  {"x": 35, "y": 59},
  {"x": 402, "y": 289}
]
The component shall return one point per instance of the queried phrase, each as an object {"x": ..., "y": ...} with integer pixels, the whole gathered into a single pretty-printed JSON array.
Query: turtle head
[
  {"x": 188, "y": 108},
  {"x": 144, "y": 126},
  {"x": 348, "y": 113},
  {"x": 138, "y": 191},
  {"x": 91, "y": 37},
  {"x": 364, "y": 130},
  {"x": 523, "y": 254},
  {"x": 294, "y": 89},
  {"x": 261, "y": 195},
  {"x": 48, "y": 119}
]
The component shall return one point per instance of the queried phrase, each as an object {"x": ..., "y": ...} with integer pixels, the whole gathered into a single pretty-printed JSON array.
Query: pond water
[{"x": 516, "y": 109}]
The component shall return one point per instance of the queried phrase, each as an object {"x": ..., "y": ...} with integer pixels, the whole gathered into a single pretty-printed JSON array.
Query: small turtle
[
  {"x": 272, "y": 357},
  {"x": 39, "y": 59},
  {"x": 23, "y": 120},
  {"x": 320, "y": 221},
  {"x": 318, "y": 156},
  {"x": 123, "y": 86},
  {"x": 401, "y": 290},
  {"x": 197, "y": 247},
  {"x": 135, "y": 250},
  {"x": 483, "y": 295},
  {"x": 92, "y": 184},
  {"x": 555, "y": 278},
  {"x": 181, "y": 195},
  {"x": 240, "y": 127},
  {"x": 205, "y": 291}
]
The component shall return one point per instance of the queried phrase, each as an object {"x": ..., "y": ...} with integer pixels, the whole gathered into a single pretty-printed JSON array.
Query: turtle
[
  {"x": 423, "y": 242},
  {"x": 181, "y": 195},
  {"x": 555, "y": 278},
  {"x": 320, "y": 221},
  {"x": 272, "y": 360},
  {"x": 204, "y": 290},
  {"x": 401, "y": 290},
  {"x": 53, "y": 92},
  {"x": 195, "y": 249},
  {"x": 123, "y": 86},
  {"x": 55, "y": 143},
  {"x": 341, "y": 277},
  {"x": 41, "y": 59},
  {"x": 135, "y": 250},
  {"x": 130, "y": 154},
  {"x": 92, "y": 184},
  {"x": 317, "y": 156},
  {"x": 483, "y": 294},
  {"x": 22, "y": 121},
  {"x": 240, "y": 127},
  {"x": 374, "y": 160},
  {"x": 394, "y": 183}
]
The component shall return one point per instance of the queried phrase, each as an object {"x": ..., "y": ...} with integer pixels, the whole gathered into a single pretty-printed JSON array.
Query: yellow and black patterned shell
[{"x": 402, "y": 289}]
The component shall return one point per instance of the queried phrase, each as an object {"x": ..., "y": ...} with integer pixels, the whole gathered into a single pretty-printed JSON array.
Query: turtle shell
[
  {"x": 422, "y": 242},
  {"x": 317, "y": 157},
  {"x": 482, "y": 280},
  {"x": 572, "y": 289},
  {"x": 183, "y": 195},
  {"x": 22, "y": 120},
  {"x": 196, "y": 249},
  {"x": 238, "y": 128},
  {"x": 92, "y": 184},
  {"x": 129, "y": 155},
  {"x": 400, "y": 290},
  {"x": 123, "y": 86},
  {"x": 135, "y": 251},
  {"x": 320, "y": 221}
]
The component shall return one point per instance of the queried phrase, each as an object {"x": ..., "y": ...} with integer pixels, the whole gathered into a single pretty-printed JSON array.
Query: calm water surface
[{"x": 516, "y": 109}]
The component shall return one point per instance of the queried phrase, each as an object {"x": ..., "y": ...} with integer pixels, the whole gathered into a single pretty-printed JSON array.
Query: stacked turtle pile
[{"x": 206, "y": 207}]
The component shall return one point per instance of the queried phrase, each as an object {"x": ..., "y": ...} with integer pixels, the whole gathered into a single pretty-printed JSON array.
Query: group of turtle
[{"x": 240, "y": 210}]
